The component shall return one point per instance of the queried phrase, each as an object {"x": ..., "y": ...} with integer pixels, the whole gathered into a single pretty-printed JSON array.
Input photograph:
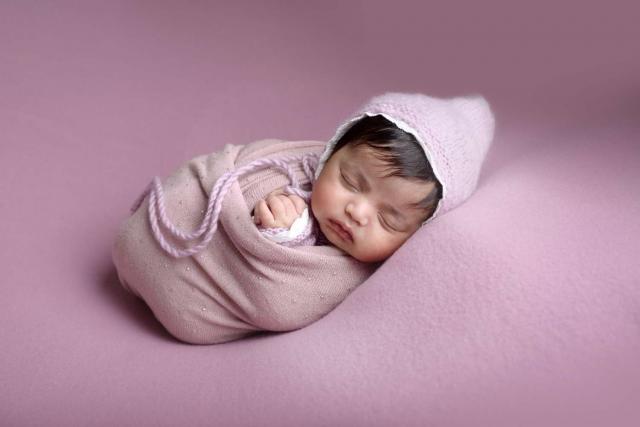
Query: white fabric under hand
[{"x": 286, "y": 235}]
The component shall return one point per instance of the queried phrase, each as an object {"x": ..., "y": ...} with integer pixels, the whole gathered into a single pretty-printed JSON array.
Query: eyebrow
[{"x": 362, "y": 180}]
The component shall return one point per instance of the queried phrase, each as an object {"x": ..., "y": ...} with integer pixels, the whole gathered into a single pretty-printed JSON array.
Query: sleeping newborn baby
[
  {"x": 283, "y": 231},
  {"x": 375, "y": 190}
]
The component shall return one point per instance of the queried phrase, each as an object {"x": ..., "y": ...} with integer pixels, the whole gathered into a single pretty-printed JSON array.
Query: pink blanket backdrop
[{"x": 521, "y": 307}]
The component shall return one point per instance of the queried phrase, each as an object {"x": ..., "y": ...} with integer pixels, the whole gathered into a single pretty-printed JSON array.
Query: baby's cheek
[
  {"x": 379, "y": 247},
  {"x": 318, "y": 201},
  {"x": 313, "y": 203}
]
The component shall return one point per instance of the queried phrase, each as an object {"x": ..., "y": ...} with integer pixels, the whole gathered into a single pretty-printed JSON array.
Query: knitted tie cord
[{"x": 209, "y": 224}]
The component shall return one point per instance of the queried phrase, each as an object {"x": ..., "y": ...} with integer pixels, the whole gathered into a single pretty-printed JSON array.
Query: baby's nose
[{"x": 358, "y": 213}]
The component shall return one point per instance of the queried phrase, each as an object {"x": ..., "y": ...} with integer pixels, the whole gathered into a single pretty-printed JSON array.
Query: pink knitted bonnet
[{"x": 455, "y": 134}]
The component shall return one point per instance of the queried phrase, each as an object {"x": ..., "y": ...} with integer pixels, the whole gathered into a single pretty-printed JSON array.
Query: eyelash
[
  {"x": 382, "y": 220},
  {"x": 347, "y": 181},
  {"x": 386, "y": 224}
]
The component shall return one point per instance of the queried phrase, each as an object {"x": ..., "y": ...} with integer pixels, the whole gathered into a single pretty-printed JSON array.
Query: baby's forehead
[{"x": 373, "y": 166}]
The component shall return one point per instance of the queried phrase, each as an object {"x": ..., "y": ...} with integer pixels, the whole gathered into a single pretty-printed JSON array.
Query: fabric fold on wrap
[{"x": 242, "y": 282}]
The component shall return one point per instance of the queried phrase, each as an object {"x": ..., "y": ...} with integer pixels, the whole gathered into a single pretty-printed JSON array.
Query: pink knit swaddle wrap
[
  {"x": 200, "y": 238},
  {"x": 241, "y": 282}
]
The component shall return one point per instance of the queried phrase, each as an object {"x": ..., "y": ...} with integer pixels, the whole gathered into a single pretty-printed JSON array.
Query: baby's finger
[
  {"x": 264, "y": 215},
  {"x": 299, "y": 203},
  {"x": 278, "y": 209},
  {"x": 290, "y": 208},
  {"x": 278, "y": 191}
]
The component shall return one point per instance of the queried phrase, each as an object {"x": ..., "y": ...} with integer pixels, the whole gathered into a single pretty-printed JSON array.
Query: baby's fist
[{"x": 278, "y": 210}]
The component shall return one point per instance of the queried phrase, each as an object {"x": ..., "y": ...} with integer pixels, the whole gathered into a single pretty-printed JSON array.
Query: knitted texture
[
  {"x": 209, "y": 223},
  {"x": 454, "y": 133},
  {"x": 241, "y": 282}
]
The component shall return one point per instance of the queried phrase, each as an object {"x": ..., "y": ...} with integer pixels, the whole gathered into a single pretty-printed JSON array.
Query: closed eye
[
  {"x": 344, "y": 178},
  {"x": 381, "y": 218},
  {"x": 386, "y": 224}
]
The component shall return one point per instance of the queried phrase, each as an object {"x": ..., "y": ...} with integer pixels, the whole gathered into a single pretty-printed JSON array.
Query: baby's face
[{"x": 351, "y": 190}]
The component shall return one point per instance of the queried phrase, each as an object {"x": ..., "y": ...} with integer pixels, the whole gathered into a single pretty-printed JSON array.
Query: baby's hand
[{"x": 278, "y": 210}]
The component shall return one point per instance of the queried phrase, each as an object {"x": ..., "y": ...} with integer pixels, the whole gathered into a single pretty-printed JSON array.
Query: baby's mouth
[{"x": 342, "y": 232}]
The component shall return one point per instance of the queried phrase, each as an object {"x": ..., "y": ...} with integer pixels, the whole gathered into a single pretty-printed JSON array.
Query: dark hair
[{"x": 399, "y": 150}]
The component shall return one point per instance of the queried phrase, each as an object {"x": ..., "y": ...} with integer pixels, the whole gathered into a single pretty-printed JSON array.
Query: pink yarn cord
[{"x": 209, "y": 224}]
